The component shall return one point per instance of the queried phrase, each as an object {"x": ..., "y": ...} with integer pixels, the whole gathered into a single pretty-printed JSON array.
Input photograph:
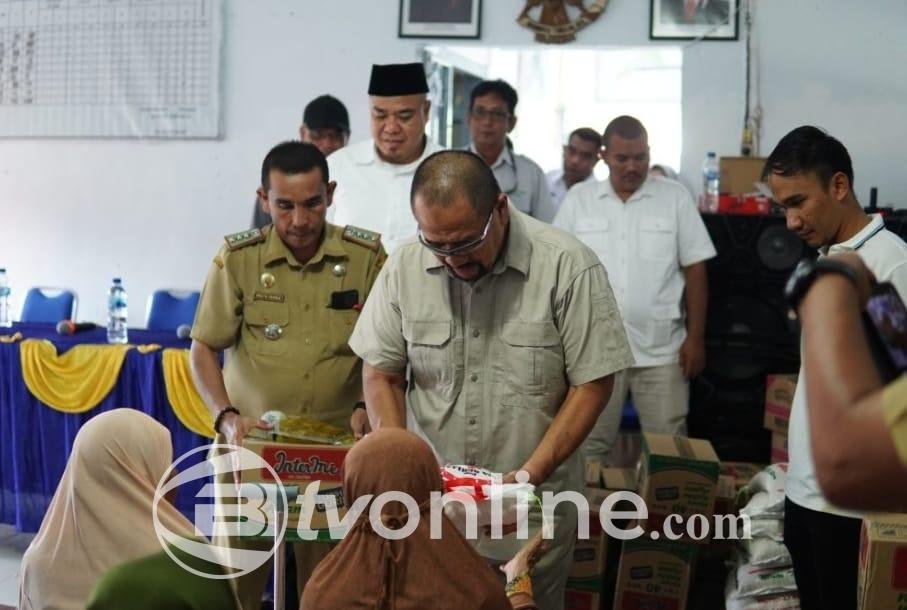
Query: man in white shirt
[
  {"x": 374, "y": 176},
  {"x": 654, "y": 245},
  {"x": 492, "y": 107},
  {"x": 580, "y": 158},
  {"x": 811, "y": 177}
]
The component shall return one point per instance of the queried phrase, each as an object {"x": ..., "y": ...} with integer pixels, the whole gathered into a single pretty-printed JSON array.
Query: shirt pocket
[
  {"x": 432, "y": 354},
  {"x": 340, "y": 324},
  {"x": 257, "y": 316},
  {"x": 593, "y": 232},
  {"x": 657, "y": 239},
  {"x": 662, "y": 324},
  {"x": 532, "y": 363}
]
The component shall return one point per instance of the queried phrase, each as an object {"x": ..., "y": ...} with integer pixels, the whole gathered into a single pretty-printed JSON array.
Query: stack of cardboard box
[
  {"x": 677, "y": 476},
  {"x": 595, "y": 559},
  {"x": 882, "y": 580},
  {"x": 779, "y": 395},
  {"x": 738, "y": 184}
]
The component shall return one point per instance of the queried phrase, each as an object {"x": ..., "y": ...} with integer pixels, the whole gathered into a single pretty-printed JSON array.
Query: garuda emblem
[{"x": 556, "y": 23}]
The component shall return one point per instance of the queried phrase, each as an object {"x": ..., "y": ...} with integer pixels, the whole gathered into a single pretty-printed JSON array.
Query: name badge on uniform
[{"x": 267, "y": 296}]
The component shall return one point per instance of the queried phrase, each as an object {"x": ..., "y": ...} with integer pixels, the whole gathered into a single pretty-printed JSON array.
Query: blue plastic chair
[
  {"x": 629, "y": 418},
  {"x": 169, "y": 309},
  {"x": 43, "y": 304}
]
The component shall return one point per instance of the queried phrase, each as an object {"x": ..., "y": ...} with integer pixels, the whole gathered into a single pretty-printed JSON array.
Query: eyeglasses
[
  {"x": 456, "y": 250},
  {"x": 495, "y": 115}
]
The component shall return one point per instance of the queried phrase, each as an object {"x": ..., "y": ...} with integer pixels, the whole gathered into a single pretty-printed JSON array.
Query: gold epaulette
[
  {"x": 363, "y": 237},
  {"x": 235, "y": 241}
]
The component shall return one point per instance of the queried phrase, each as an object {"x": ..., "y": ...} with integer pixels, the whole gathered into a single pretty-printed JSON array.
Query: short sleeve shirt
[
  {"x": 260, "y": 290},
  {"x": 492, "y": 360},
  {"x": 894, "y": 406},
  {"x": 557, "y": 187},
  {"x": 885, "y": 254},
  {"x": 372, "y": 193},
  {"x": 644, "y": 243},
  {"x": 524, "y": 182}
]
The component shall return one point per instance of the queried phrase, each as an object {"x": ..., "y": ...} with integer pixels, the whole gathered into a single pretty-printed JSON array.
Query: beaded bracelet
[
  {"x": 521, "y": 583},
  {"x": 220, "y": 417}
]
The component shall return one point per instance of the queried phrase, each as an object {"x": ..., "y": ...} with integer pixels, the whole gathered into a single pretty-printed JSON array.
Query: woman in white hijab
[{"x": 101, "y": 513}]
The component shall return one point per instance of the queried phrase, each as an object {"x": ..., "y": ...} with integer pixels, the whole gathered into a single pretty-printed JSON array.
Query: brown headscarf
[
  {"x": 101, "y": 514},
  {"x": 366, "y": 571}
]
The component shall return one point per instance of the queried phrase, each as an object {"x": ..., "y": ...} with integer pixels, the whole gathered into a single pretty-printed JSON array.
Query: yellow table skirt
[{"x": 78, "y": 380}]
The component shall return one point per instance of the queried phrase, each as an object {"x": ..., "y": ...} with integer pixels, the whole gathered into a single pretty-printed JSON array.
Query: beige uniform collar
[
  {"x": 331, "y": 245},
  {"x": 517, "y": 252}
]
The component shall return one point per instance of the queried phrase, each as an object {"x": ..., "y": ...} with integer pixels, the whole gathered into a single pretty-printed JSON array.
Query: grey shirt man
[
  {"x": 492, "y": 360},
  {"x": 524, "y": 182}
]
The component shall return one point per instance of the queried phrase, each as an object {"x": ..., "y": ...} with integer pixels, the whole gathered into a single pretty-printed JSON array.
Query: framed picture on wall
[
  {"x": 440, "y": 18},
  {"x": 691, "y": 19}
]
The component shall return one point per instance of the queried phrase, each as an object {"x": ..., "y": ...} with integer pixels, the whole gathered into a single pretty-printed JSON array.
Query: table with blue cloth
[{"x": 36, "y": 439}]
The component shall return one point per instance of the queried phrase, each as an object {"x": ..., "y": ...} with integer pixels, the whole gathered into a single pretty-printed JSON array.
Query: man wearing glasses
[
  {"x": 326, "y": 124},
  {"x": 512, "y": 335},
  {"x": 492, "y": 104}
]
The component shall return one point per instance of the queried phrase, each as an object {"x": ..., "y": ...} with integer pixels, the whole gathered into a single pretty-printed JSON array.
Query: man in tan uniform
[
  {"x": 512, "y": 335},
  {"x": 283, "y": 300}
]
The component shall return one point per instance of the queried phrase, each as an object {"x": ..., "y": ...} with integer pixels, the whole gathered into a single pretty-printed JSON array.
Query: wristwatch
[{"x": 806, "y": 272}]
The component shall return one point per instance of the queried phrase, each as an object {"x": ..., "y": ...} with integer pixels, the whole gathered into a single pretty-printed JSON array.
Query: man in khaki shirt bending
[
  {"x": 283, "y": 300},
  {"x": 512, "y": 335}
]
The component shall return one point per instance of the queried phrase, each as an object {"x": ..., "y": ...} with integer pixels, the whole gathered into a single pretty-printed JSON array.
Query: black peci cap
[
  {"x": 326, "y": 111},
  {"x": 397, "y": 79}
]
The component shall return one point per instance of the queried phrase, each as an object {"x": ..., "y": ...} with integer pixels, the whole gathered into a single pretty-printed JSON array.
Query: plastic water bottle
[
  {"x": 117, "y": 313},
  {"x": 6, "y": 316},
  {"x": 710, "y": 175}
]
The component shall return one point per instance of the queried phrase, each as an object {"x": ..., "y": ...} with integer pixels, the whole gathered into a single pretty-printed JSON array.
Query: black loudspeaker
[
  {"x": 896, "y": 222},
  {"x": 756, "y": 254},
  {"x": 748, "y": 332}
]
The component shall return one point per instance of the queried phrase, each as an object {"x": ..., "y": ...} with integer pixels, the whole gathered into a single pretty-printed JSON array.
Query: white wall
[{"x": 77, "y": 212}]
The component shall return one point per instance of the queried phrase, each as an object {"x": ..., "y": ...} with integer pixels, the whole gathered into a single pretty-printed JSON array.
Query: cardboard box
[
  {"x": 741, "y": 472},
  {"x": 607, "y": 477},
  {"x": 654, "y": 575},
  {"x": 619, "y": 479},
  {"x": 575, "y": 599},
  {"x": 779, "y": 396},
  {"x": 738, "y": 175},
  {"x": 678, "y": 475},
  {"x": 725, "y": 495},
  {"x": 593, "y": 472},
  {"x": 589, "y": 555},
  {"x": 882, "y": 580},
  {"x": 298, "y": 466},
  {"x": 779, "y": 448}
]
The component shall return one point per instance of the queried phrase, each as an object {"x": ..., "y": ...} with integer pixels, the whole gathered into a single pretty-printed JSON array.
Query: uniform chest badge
[
  {"x": 267, "y": 280},
  {"x": 273, "y": 331}
]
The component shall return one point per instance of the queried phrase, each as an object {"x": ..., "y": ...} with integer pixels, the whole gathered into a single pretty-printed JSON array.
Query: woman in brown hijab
[{"x": 366, "y": 571}]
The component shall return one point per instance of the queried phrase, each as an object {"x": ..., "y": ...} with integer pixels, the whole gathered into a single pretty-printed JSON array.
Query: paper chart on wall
[{"x": 110, "y": 68}]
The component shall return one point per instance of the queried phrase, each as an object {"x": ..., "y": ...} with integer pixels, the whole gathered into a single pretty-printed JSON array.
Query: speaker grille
[{"x": 748, "y": 332}]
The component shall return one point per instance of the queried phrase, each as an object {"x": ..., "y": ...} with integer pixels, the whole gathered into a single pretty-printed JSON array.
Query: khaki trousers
[{"x": 661, "y": 396}]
